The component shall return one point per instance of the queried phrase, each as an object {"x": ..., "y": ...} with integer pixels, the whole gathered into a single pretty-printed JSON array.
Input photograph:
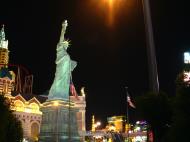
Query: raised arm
[{"x": 64, "y": 27}]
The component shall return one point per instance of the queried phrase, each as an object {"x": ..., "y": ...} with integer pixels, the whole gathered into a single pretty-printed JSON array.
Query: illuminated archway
[{"x": 35, "y": 129}]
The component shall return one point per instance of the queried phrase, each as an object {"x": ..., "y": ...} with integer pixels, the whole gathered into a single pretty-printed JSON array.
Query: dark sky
[{"x": 110, "y": 55}]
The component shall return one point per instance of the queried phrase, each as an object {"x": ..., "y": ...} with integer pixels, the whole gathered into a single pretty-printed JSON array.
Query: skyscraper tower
[
  {"x": 93, "y": 124},
  {"x": 4, "y": 52},
  {"x": 7, "y": 78}
]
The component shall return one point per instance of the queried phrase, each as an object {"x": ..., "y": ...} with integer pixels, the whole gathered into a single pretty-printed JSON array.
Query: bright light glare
[
  {"x": 55, "y": 103},
  {"x": 109, "y": 9},
  {"x": 186, "y": 76},
  {"x": 98, "y": 123},
  {"x": 112, "y": 128}
]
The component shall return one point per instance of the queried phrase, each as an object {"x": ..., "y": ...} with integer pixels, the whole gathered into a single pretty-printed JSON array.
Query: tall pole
[
  {"x": 69, "y": 124},
  {"x": 57, "y": 137},
  {"x": 126, "y": 88},
  {"x": 152, "y": 64},
  {"x": 127, "y": 105}
]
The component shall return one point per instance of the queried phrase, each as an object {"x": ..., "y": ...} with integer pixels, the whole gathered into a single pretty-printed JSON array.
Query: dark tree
[
  {"x": 10, "y": 127},
  {"x": 181, "y": 124},
  {"x": 156, "y": 110}
]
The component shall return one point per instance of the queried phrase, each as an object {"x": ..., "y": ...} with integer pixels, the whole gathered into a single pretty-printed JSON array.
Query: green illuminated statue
[{"x": 64, "y": 67}]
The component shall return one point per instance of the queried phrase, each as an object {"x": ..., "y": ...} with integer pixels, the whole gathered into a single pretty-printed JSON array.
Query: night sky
[{"x": 108, "y": 44}]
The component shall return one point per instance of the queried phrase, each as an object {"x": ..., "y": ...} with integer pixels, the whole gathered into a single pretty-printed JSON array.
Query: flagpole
[
  {"x": 127, "y": 114},
  {"x": 127, "y": 105},
  {"x": 69, "y": 133}
]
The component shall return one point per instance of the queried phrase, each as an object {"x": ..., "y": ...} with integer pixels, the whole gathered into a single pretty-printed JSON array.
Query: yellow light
[
  {"x": 109, "y": 10},
  {"x": 82, "y": 92},
  {"x": 113, "y": 7},
  {"x": 56, "y": 103},
  {"x": 112, "y": 128}
]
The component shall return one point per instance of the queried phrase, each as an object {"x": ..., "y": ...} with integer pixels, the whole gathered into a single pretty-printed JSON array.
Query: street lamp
[
  {"x": 97, "y": 124},
  {"x": 152, "y": 64}
]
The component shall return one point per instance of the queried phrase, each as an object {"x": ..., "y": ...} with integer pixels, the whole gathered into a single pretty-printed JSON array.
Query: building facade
[{"x": 116, "y": 123}]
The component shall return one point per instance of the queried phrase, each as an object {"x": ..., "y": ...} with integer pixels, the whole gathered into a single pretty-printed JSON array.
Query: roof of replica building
[
  {"x": 4, "y": 72},
  {"x": 28, "y": 97}
]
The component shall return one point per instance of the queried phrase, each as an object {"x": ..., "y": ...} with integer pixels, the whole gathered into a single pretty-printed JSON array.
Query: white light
[
  {"x": 186, "y": 57},
  {"x": 187, "y": 76},
  {"x": 137, "y": 129},
  {"x": 138, "y": 138},
  {"x": 24, "y": 140},
  {"x": 28, "y": 110},
  {"x": 98, "y": 123}
]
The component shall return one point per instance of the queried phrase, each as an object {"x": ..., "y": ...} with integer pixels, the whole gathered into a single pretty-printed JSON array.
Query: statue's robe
[{"x": 64, "y": 67}]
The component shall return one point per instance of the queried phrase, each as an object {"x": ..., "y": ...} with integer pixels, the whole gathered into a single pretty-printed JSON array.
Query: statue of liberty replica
[
  {"x": 61, "y": 84},
  {"x": 59, "y": 120}
]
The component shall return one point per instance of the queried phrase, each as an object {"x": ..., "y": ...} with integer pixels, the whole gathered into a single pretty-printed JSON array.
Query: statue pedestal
[{"x": 59, "y": 122}]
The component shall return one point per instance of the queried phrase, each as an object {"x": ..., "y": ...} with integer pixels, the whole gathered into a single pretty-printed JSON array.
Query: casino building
[{"x": 25, "y": 104}]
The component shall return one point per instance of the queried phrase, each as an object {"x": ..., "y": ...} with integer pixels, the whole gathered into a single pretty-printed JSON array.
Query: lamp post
[{"x": 152, "y": 64}]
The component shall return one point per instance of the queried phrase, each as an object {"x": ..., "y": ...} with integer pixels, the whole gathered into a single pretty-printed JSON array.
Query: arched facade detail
[
  {"x": 19, "y": 105},
  {"x": 35, "y": 130},
  {"x": 34, "y": 108}
]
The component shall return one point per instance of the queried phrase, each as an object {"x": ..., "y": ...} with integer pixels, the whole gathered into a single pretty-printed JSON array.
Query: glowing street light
[
  {"x": 152, "y": 64},
  {"x": 97, "y": 124},
  {"x": 109, "y": 8}
]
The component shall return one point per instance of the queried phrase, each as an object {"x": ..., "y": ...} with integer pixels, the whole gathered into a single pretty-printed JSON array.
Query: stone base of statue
[{"x": 59, "y": 122}]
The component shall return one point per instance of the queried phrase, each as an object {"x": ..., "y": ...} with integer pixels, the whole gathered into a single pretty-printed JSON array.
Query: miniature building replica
[
  {"x": 7, "y": 78},
  {"x": 27, "y": 109},
  {"x": 116, "y": 123},
  {"x": 26, "y": 106},
  {"x": 80, "y": 104},
  {"x": 4, "y": 52}
]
